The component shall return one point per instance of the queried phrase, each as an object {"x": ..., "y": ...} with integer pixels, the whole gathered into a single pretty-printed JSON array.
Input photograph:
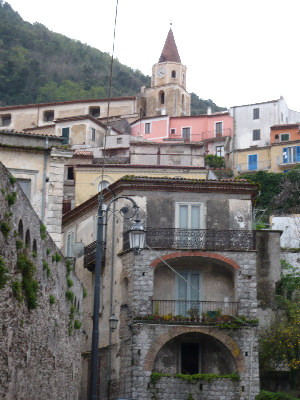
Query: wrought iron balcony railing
[
  {"x": 191, "y": 308},
  {"x": 204, "y": 239},
  {"x": 90, "y": 256}
]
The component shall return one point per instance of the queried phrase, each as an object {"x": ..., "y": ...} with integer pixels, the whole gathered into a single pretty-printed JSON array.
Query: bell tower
[{"x": 168, "y": 95}]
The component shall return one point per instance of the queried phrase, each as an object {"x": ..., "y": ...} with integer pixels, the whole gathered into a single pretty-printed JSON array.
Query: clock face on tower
[{"x": 161, "y": 72}]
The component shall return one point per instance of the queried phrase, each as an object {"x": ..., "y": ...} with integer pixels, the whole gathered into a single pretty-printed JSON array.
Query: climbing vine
[
  {"x": 3, "y": 273},
  {"x": 29, "y": 284}
]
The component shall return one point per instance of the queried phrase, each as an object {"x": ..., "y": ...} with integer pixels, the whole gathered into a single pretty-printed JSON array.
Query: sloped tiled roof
[{"x": 170, "y": 52}]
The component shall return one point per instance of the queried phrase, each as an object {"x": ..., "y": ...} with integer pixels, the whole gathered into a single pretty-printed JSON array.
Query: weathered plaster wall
[{"x": 38, "y": 358}]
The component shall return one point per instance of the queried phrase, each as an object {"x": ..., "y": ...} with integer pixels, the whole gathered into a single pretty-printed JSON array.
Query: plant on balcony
[{"x": 193, "y": 314}]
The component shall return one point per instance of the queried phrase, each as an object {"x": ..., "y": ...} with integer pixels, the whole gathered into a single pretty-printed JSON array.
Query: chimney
[{"x": 208, "y": 110}]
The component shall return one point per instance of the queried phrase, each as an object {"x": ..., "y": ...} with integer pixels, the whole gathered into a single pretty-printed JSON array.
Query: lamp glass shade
[
  {"x": 113, "y": 322},
  {"x": 137, "y": 236}
]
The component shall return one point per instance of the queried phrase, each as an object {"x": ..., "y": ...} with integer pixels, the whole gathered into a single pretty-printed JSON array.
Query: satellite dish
[{"x": 78, "y": 249}]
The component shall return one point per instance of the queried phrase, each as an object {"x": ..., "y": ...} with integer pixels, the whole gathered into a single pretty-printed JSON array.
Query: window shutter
[
  {"x": 285, "y": 155},
  {"x": 297, "y": 153}
]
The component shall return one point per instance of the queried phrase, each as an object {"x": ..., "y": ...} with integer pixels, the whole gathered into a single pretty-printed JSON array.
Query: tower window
[
  {"x": 173, "y": 74},
  {"x": 183, "y": 102},
  {"x": 162, "y": 97}
]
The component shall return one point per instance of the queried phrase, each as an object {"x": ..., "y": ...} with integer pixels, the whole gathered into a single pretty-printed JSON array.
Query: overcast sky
[{"x": 236, "y": 51}]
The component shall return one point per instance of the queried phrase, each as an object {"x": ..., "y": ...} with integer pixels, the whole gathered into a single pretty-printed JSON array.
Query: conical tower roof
[{"x": 170, "y": 52}]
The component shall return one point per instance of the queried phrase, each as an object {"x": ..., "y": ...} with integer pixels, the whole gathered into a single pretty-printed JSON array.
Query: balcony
[
  {"x": 203, "y": 136},
  {"x": 259, "y": 166},
  {"x": 204, "y": 239},
  {"x": 90, "y": 256},
  {"x": 194, "y": 309}
]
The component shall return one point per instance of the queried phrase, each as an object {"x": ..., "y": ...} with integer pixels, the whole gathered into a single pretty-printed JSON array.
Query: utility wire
[{"x": 109, "y": 91}]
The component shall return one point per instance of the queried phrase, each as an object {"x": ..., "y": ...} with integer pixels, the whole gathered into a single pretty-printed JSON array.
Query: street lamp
[{"x": 137, "y": 240}]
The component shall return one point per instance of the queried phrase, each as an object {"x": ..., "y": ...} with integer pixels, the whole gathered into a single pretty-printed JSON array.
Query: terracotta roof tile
[{"x": 170, "y": 52}]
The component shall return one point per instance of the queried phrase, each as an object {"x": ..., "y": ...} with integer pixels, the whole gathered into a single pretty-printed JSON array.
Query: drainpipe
[{"x": 44, "y": 179}]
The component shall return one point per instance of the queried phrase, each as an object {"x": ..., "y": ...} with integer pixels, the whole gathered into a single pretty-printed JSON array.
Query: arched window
[
  {"x": 34, "y": 246},
  {"x": 20, "y": 230},
  {"x": 173, "y": 74},
  {"x": 102, "y": 185},
  {"x": 27, "y": 239},
  {"x": 161, "y": 97},
  {"x": 183, "y": 102}
]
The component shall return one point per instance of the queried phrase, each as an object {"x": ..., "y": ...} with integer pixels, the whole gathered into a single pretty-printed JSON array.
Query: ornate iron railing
[
  {"x": 205, "y": 239},
  {"x": 90, "y": 256},
  {"x": 191, "y": 308}
]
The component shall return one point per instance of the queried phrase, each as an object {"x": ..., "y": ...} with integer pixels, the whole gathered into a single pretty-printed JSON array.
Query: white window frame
[
  {"x": 285, "y": 134},
  {"x": 222, "y": 151},
  {"x": 190, "y": 204},
  {"x": 150, "y": 128},
  {"x": 70, "y": 235},
  {"x": 219, "y": 122}
]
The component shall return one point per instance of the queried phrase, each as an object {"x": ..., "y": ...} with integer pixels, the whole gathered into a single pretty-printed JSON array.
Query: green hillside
[{"x": 37, "y": 65}]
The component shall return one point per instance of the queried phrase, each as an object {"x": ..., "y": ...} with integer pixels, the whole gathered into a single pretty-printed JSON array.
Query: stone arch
[
  {"x": 174, "y": 331},
  {"x": 21, "y": 229},
  {"x": 27, "y": 239},
  {"x": 179, "y": 254}
]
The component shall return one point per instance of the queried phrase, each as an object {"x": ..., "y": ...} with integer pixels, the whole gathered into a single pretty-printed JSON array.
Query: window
[
  {"x": 173, "y": 74},
  {"x": 70, "y": 242},
  {"x": 255, "y": 113},
  {"x": 188, "y": 293},
  {"x": 182, "y": 102},
  {"x": 103, "y": 185},
  {"x": 25, "y": 186},
  {"x": 276, "y": 138},
  {"x": 5, "y": 120},
  {"x": 190, "y": 358},
  {"x": 93, "y": 134},
  {"x": 220, "y": 151},
  {"x": 219, "y": 128},
  {"x": 70, "y": 173},
  {"x": 256, "y": 134},
  {"x": 189, "y": 216},
  {"x": 186, "y": 134},
  {"x": 284, "y": 137},
  {"x": 252, "y": 162},
  {"x": 147, "y": 127},
  {"x": 291, "y": 154},
  {"x": 48, "y": 115},
  {"x": 119, "y": 140},
  {"x": 173, "y": 131},
  {"x": 65, "y": 135},
  {"x": 161, "y": 95},
  {"x": 94, "y": 112}
]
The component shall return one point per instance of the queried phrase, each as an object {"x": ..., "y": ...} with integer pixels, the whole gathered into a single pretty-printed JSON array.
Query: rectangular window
[
  {"x": 65, "y": 135},
  {"x": 186, "y": 134},
  {"x": 94, "y": 112},
  {"x": 48, "y": 115},
  {"x": 119, "y": 140},
  {"x": 25, "y": 186},
  {"x": 190, "y": 358},
  {"x": 70, "y": 174},
  {"x": 219, "y": 128},
  {"x": 256, "y": 134},
  {"x": 291, "y": 154},
  {"x": 252, "y": 162},
  {"x": 284, "y": 137},
  {"x": 188, "y": 293},
  {"x": 173, "y": 131},
  {"x": 220, "y": 151},
  {"x": 147, "y": 127},
  {"x": 93, "y": 134},
  {"x": 5, "y": 120},
  {"x": 70, "y": 241},
  {"x": 255, "y": 113}
]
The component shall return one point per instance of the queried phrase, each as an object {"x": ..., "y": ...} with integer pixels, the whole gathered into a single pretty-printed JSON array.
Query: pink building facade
[{"x": 215, "y": 130}]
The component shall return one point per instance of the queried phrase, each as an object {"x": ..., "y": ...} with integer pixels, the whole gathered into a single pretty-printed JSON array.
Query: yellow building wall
[
  {"x": 277, "y": 157},
  {"x": 241, "y": 160},
  {"x": 87, "y": 181}
]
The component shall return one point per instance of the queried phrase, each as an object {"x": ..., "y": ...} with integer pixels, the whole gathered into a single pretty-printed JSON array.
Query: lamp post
[{"x": 137, "y": 241}]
